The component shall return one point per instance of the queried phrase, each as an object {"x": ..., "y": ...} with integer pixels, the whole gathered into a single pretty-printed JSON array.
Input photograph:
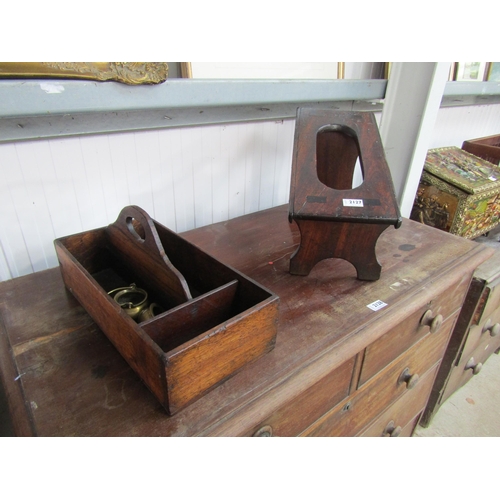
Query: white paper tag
[
  {"x": 52, "y": 88},
  {"x": 375, "y": 306},
  {"x": 352, "y": 203}
]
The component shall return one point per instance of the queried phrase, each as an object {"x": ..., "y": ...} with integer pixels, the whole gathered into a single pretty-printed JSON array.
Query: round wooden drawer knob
[
  {"x": 407, "y": 378},
  {"x": 391, "y": 430},
  {"x": 494, "y": 329},
  {"x": 434, "y": 322},
  {"x": 265, "y": 431},
  {"x": 472, "y": 365}
]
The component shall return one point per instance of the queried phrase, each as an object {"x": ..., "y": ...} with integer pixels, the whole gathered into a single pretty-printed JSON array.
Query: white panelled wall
[
  {"x": 184, "y": 178},
  {"x": 456, "y": 124}
]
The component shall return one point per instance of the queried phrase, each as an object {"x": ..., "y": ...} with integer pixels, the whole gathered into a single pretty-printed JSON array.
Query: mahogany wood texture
[
  {"x": 404, "y": 411},
  {"x": 396, "y": 341},
  {"x": 352, "y": 241},
  {"x": 320, "y": 169},
  {"x": 327, "y": 145},
  {"x": 293, "y": 418},
  {"x": 350, "y": 417},
  {"x": 64, "y": 377},
  {"x": 484, "y": 147}
]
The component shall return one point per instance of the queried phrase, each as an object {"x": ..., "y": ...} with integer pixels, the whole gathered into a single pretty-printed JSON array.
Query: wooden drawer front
[
  {"x": 486, "y": 347},
  {"x": 297, "y": 415},
  {"x": 410, "y": 428},
  {"x": 458, "y": 377},
  {"x": 470, "y": 364},
  {"x": 402, "y": 337},
  {"x": 397, "y": 417},
  {"x": 353, "y": 414},
  {"x": 488, "y": 329},
  {"x": 492, "y": 301}
]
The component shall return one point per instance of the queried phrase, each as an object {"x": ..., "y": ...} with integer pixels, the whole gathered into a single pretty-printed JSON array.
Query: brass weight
[{"x": 131, "y": 299}]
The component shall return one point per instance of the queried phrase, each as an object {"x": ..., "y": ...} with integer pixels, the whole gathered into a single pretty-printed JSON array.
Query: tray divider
[
  {"x": 182, "y": 323},
  {"x": 134, "y": 233}
]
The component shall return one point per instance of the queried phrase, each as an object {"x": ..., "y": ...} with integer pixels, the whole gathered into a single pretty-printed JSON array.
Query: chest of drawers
[
  {"x": 475, "y": 337},
  {"x": 339, "y": 368},
  {"x": 387, "y": 382}
]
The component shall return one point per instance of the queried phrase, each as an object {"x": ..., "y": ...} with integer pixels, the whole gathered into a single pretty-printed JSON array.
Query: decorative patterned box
[
  {"x": 484, "y": 147},
  {"x": 458, "y": 193}
]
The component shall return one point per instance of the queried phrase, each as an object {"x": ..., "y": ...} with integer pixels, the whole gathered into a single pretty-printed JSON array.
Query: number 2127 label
[{"x": 348, "y": 202}]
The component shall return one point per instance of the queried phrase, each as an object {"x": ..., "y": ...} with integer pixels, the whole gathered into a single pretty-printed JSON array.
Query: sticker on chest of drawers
[{"x": 377, "y": 305}]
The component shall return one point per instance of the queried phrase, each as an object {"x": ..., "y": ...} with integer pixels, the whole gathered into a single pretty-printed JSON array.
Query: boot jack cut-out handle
[{"x": 335, "y": 219}]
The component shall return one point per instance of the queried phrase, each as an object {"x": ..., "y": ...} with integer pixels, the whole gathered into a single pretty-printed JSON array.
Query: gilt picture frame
[
  {"x": 469, "y": 71},
  {"x": 131, "y": 73}
]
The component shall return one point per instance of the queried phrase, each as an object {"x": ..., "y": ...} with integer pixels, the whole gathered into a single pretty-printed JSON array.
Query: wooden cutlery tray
[{"x": 215, "y": 320}]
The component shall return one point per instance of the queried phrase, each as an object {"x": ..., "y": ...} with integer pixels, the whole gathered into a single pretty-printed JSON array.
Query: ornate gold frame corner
[{"x": 131, "y": 73}]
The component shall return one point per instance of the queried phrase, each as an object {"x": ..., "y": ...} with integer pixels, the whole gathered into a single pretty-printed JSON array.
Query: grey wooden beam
[
  {"x": 42, "y": 97},
  {"x": 35, "y": 109},
  {"x": 24, "y": 128}
]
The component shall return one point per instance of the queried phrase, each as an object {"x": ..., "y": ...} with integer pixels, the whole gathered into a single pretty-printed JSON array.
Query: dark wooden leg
[{"x": 354, "y": 242}]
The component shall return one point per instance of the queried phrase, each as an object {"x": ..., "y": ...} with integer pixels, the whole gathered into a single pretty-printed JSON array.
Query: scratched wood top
[{"x": 63, "y": 377}]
